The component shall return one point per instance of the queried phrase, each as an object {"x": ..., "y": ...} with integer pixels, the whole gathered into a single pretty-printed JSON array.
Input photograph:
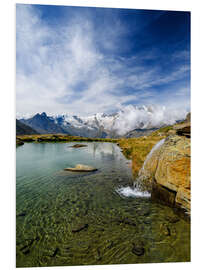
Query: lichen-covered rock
[
  {"x": 173, "y": 168},
  {"x": 169, "y": 170}
]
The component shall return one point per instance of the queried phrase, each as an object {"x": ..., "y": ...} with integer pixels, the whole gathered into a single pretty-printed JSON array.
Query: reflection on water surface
[{"x": 66, "y": 218}]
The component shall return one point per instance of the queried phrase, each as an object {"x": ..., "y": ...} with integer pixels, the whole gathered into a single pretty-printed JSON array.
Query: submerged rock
[
  {"x": 78, "y": 145},
  {"x": 97, "y": 255},
  {"x": 126, "y": 221},
  {"x": 138, "y": 249},
  {"x": 56, "y": 251},
  {"x": 164, "y": 229},
  {"x": 22, "y": 214},
  {"x": 81, "y": 168},
  {"x": 25, "y": 249},
  {"x": 80, "y": 228},
  {"x": 172, "y": 219}
]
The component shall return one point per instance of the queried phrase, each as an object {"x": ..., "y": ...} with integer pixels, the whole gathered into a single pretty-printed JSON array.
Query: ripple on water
[{"x": 73, "y": 219}]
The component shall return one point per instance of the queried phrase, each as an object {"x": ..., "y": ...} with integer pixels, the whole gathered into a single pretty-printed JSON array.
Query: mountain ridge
[
  {"x": 132, "y": 121},
  {"x": 23, "y": 129}
]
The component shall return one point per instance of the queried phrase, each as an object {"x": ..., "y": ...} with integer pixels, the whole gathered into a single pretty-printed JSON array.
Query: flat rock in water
[
  {"x": 78, "y": 145},
  {"x": 81, "y": 168}
]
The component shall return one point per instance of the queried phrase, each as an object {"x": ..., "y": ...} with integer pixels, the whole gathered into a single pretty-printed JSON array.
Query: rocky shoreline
[{"x": 59, "y": 138}]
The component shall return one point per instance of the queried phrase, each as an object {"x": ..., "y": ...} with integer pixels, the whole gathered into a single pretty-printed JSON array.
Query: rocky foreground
[{"x": 168, "y": 168}]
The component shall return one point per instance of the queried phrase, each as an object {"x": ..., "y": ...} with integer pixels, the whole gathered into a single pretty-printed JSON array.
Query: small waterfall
[
  {"x": 132, "y": 192},
  {"x": 139, "y": 188},
  {"x": 154, "y": 148}
]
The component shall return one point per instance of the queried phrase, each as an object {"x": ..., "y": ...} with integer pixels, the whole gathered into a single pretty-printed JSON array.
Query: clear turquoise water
[{"x": 66, "y": 218}]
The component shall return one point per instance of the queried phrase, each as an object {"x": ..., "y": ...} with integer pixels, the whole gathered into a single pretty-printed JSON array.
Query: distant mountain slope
[
  {"x": 43, "y": 124},
  {"x": 131, "y": 121},
  {"x": 139, "y": 132},
  {"x": 47, "y": 125},
  {"x": 22, "y": 129}
]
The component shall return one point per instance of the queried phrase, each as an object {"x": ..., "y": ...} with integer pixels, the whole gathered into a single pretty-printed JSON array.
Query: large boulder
[
  {"x": 168, "y": 167},
  {"x": 173, "y": 171}
]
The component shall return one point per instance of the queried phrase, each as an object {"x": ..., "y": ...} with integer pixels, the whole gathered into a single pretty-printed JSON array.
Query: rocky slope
[
  {"x": 139, "y": 133},
  {"x": 43, "y": 124},
  {"x": 22, "y": 129}
]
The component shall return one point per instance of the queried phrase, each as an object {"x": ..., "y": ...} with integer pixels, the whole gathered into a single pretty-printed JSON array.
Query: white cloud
[
  {"x": 132, "y": 117},
  {"x": 52, "y": 62}
]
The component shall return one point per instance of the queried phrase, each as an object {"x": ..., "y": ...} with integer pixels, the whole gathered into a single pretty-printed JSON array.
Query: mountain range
[
  {"x": 132, "y": 121},
  {"x": 22, "y": 129}
]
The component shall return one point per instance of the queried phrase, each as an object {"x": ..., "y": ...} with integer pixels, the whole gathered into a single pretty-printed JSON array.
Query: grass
[
  {"x": 137, "y": 149},
  {"x": 162, "y": 131},
  {"x": 61, "y": 138}
]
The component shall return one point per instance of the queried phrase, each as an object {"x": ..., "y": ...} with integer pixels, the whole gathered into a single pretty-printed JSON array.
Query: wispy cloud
[{"x": 80, "y": 69}]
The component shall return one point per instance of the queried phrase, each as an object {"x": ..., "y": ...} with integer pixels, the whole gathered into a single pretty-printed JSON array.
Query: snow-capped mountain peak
[{"x": 117, "y": 124}]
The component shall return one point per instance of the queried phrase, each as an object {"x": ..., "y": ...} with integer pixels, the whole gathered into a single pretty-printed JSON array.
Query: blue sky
[{"x": 88, "y": 60}]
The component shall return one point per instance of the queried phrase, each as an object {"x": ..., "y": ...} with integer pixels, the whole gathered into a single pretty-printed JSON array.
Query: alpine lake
[{"x": 80, "y": 218}]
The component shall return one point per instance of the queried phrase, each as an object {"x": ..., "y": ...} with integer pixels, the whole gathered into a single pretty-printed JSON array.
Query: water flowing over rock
[
  {"x": 167, "y": 168},
  {"x": 151, "y": 160},
  {"x": 142, "y": 186}
]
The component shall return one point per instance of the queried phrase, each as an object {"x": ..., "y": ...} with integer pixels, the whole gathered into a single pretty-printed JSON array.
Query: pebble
[
  {"x": 138, "y": 250},
  {"x": 80, "y": 228}
]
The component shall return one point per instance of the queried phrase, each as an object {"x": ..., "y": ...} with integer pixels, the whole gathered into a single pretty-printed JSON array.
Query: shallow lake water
[{"x": 71, "y": 218}]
